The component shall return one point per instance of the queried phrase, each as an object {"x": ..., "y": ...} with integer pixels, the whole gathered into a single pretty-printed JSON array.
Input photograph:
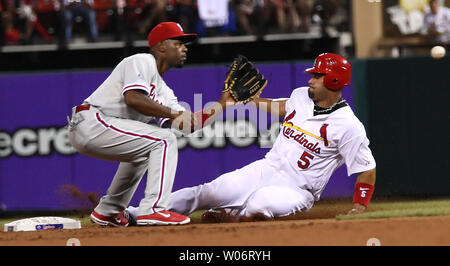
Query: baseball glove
[{"x": 243, "y": 80}]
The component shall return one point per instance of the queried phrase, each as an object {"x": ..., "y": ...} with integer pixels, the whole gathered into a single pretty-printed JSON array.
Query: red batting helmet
[{"x": 336, "y": 68}]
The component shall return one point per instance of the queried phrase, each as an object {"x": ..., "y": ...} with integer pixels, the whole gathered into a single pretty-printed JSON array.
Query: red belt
[{"x": 83, "y": 107}]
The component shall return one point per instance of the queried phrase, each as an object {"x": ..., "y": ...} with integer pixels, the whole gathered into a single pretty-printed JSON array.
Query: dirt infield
[{"x": 411, "y": 231}]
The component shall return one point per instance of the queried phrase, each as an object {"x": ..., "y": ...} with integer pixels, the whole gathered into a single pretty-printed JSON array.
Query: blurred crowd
[
  {"x": 437, "y": 23},
  {"x": 58, "y": 21}
]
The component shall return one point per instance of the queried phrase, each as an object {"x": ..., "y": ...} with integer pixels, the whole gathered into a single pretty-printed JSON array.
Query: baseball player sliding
[
  {"x": 113, "y": 123},
  {"x": 319, "y": 133}
]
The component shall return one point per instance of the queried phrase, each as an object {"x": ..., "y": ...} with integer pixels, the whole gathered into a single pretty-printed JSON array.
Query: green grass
[{"x": 402, "y": 209}]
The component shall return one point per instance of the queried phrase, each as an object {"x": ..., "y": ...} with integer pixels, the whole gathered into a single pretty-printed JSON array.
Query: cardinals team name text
[{"x": 301, "y": 139}]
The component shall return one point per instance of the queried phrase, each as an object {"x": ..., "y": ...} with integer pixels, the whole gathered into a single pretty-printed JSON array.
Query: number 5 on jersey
[{"x": 304, "y": 161}]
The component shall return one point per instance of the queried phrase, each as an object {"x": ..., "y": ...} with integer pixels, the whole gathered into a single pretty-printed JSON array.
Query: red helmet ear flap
[
  {"x": 331, "y": 81},
  {"x": 338, "y": 78},
  {"x": 336, "y": 68}
]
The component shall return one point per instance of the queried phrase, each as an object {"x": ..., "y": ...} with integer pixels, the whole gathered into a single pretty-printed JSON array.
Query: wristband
[{"x": 363, "y": 193}]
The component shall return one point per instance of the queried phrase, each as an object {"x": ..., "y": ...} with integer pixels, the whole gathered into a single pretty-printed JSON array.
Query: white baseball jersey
[
  {"x": 141, "y": 74},
  {"x": 311, "y": 147}
]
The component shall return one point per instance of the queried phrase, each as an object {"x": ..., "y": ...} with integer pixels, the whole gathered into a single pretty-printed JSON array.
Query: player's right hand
[{"x": 184, "y": 121}]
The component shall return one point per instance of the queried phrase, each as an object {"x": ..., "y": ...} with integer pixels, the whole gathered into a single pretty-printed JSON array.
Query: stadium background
[{"x": 398, "y": 91}]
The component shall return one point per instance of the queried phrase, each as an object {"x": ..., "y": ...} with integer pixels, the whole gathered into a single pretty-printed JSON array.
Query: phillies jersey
[
  {"x": 310, "y": 147},
  {"x": 136, "y": 72}
]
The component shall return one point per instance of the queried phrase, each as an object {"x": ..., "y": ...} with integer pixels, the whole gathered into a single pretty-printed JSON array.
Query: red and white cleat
[
  {"x": 118, "y": 220},
  {"x": 163, "y": 218}
]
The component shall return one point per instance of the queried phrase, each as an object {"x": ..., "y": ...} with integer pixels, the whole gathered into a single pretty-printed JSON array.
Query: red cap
[{"x": 168, "y": 30}]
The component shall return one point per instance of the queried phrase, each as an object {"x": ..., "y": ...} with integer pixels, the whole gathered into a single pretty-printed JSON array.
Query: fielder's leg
[
  {"x": 122, "y": 188},
  {"x": 138, "y": 146},
  {"x": 162, "y": 166}
]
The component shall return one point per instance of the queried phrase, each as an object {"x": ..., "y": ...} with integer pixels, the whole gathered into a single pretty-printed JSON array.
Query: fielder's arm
[
  {"x": 364, "y": 187},
  {"x": 272, "y": 106},
  {"x": 141, "y": 103},
  {"x": 207, "y": 115}
]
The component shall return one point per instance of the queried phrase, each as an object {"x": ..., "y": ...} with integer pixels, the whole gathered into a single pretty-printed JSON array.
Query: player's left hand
[
  {"x": 227, "y": 99},
  {"x": 357, "y": 208}
]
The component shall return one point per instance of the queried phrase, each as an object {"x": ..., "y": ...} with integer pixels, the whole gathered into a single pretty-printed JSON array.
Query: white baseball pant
[
  {"x": 139, "y": 147},
  {"x": 257, "y": 188}
]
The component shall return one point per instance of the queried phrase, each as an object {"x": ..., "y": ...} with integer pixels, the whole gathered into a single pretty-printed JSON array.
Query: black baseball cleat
[
  {"x": 220, "y": 216},
  {"x": 131, "y": 219},
  {"x": 214, "y": 216}
]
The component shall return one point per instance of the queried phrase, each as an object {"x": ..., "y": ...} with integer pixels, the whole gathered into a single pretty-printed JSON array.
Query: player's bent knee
[
  {"x": 254, "y": 210},
  {"x": 278, "y": 202}
]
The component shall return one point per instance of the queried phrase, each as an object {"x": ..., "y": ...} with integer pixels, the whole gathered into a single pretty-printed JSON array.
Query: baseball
[{"x": 437, "y": 52}]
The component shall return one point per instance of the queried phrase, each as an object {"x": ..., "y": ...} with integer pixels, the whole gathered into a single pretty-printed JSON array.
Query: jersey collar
[{"x": 323, "y": 111}]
